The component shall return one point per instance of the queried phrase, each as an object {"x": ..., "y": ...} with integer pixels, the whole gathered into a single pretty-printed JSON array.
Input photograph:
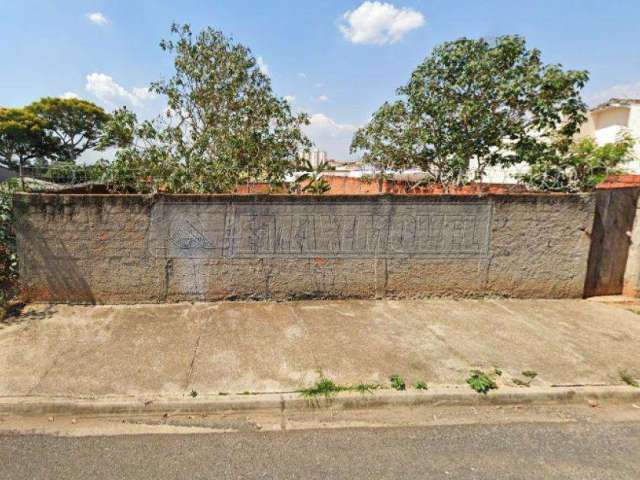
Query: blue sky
[{"x": 337, "y": 60}]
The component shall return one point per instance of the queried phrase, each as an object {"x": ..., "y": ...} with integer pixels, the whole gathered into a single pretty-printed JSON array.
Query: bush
[
  {"x": 8, "y": 258},
  {"x": 584, "y": 166}
]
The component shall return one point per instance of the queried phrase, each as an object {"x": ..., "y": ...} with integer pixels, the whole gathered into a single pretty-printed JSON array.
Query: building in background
[
  {"x": 606, "y": 123},
  {"x": 315, "y": 156}
]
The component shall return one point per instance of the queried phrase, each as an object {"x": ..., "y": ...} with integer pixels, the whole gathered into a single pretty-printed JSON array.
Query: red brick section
[
  {"x": 358, "y": 186},
  {"x": 619, "y": 181}
]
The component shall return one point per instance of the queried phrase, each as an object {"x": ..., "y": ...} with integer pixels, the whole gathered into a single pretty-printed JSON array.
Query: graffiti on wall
[{"x": 250, "y": 230}]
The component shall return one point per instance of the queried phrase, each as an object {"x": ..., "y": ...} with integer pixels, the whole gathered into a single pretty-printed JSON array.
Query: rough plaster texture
[{"x": 125, "y": 249}]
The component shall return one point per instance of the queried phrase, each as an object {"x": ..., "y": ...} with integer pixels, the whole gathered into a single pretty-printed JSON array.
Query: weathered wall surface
[
  {"x": 610, "y": 240},
  {"x": 121, "y": 249}
]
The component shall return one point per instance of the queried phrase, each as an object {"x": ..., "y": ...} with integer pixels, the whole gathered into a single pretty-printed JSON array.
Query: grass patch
[
  {"x": 397, "y": 382},
  {"x": 324, "y": 387},
  {"x": 421, "y": 385},
  {"x": 364, "y": 388},
  {"x": 481, "y": 382},
  {"x": 627, "y": 378}
]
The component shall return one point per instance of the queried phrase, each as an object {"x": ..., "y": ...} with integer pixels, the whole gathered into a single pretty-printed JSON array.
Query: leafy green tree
[
  {"x": 223, "y": 124},
  {"x": 495, "y": 103},
  {"x": 23, "y": 138},
  {"x": 582, "y": 167},
  {"x": 75, "y": 125},
  {"x": 387, "y": 141}
]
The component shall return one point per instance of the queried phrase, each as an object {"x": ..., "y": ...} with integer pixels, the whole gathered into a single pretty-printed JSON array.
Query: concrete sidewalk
[{"x": 77, "y": 351}]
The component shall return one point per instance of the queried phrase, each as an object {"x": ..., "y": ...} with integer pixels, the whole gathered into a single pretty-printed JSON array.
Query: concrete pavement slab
[{"x": 236, "y": 347}]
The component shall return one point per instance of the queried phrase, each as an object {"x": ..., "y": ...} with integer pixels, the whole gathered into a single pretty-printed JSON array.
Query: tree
[
  {"x": 224, "y": 125},
  {"x": 386, "y": 141},
  {"x": 22, "y": 138},
  {"x": 583, "y": 166},
  {"x": 75, "y": 125},
  {"x": 496, "y": 103}
]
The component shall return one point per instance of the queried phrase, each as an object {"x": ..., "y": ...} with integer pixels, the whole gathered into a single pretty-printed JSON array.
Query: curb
[{"x": 437, "y": 397}]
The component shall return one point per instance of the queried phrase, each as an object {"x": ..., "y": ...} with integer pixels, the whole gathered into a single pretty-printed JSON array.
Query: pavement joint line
[{"x": 440, "y": 397}]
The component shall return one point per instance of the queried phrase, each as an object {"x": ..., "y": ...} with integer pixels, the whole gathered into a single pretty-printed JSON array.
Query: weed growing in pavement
[
  {"x": 421, "y": 385},
  {"x": 530, "y": 374},
  {"x": 627, "y": 378},
  {"x": 364, "y": 388},
  {"x": 193, "y": 393},
  {"x": 481, "y": 382},
  {"x": 397, "y": 382},
  {"x": 324, "y": 387}
]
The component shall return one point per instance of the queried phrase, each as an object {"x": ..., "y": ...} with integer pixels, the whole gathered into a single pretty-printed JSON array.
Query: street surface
[{"x": 581, "y": 442}]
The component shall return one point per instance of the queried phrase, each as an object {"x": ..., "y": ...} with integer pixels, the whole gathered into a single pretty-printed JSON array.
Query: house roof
[{"x": 616, "y": 102}]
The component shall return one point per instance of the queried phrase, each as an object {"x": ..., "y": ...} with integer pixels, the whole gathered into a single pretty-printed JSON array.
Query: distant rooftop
[{"x": 617, "y": 102}]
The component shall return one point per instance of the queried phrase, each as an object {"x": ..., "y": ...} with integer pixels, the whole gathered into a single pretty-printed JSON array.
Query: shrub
[
  {"x": 397, "y": 382},
  {"x": 584, "y": 166},
  {"x": 481, "y": 382}
]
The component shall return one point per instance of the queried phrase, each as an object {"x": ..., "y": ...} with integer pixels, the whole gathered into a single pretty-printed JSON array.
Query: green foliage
[
  {"x": 364, "y": 388},
  {"x": 22, "y": 137},
  {"x": 421, "y": 385},
  {"x": 495, "y": 103},
  {"x": 223, "y": 125},
  {"x": 627, "y": 378},
  {"x": 530, "y": 374},
  {"x": 50, "y": 129},
  {"x": 72, "y": 125},
  {"x": 312, "y": 178},
  {"x": 481, "y": 382},
  {"x": 397, "y": 382},
  {"x": 8, "y": 258},
  {"x": 324, "y": 387},
  {"x": 581, "y": 168}
]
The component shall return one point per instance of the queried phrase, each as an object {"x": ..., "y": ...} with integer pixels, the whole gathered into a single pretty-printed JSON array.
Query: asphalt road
[{"x": 518, "y": 451}]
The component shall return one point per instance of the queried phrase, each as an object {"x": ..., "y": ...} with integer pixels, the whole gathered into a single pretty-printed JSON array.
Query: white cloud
[
  {"x": 321, "y": 98},
  {"x": 143, "y": 93},
  {"x": 329, "y": 135},
  {"x": 109, "y": 91},
  {"x": 290, "y": 98},
  {"x": 69, "y": 95},
  {"x": 97, "y": 17},
  {"x": 379, "y": 23},
  {"x": 262, "y": 65},
  {"x": 622, "y": 90}
]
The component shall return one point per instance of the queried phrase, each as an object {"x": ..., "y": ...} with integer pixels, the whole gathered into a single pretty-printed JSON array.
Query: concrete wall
[
  {"x": 610, "y": 240},
  {"x": 121, "y": 249}
]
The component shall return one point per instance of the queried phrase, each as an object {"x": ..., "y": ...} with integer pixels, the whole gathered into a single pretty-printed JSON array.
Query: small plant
[
  {"x": 521, "y": 383},
  {"x": 421, "y": 385},
  {"x": 627, "y": 378},
  {"x": 530, "y": 374},
  {"x": 364, "y": 388},
  {"x": 222, "y": 393},
  {"x": 481, "y": 382},
  {"x": 397, "y": 382},
  {"x": 497, "y": 371},
  {"x": 324, "y": 387},
  {"x": 193, "y": 394}
]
